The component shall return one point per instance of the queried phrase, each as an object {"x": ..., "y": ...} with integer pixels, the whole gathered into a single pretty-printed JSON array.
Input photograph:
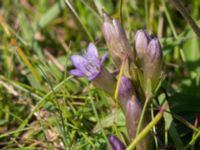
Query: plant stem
[
  {"x": 179, "y": 6},
  {"x": 142, "y": 115},
  {"x": 193, "y": 140},
  {"x": 120, "y": 76}
]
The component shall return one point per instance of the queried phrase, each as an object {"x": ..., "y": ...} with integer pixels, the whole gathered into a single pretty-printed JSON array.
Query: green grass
[{"x": 43, "y": 107}]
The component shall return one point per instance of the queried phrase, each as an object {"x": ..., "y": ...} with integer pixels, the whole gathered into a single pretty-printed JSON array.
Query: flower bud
[
  {"x": 116, "y": 39},
  {"x": 116, "y": 143},
  {"x": 152, "y": 63},
  {"x": 126, "y": 90},
  {"x": 141, "y": 43},
  {"x": 133, "y": 114}
]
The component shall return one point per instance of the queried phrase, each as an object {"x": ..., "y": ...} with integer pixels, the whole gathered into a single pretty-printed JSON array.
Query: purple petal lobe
[
  {"x": 92, "y": 51},
  {"x": 76, "y": 72},
  {"x": 78, "y": 61},
  {"x": 103, "y": 58},
  {"x": 88, "y": 64},
  {"x": 141, "y": 43},
  {"x": 154, "y": 49}
]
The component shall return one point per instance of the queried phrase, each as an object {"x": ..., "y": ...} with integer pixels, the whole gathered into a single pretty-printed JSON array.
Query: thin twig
[
  {"x": 179, "y": 6},
  {"x": 120, "y": 12}
]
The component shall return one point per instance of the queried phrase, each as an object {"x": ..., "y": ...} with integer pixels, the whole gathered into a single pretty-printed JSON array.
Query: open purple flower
[{"x": 89, "y": 64}]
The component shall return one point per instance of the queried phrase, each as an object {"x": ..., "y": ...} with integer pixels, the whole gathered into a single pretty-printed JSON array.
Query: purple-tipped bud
[
  {"x": 141, "y": 43},
  {"x": 126, "y": 90},
  {"x": 153, "y": 63},
  {"x": 116, "y": 143},
  {"x": 154, "y": 49},
  {"x": 133, "y": 114},
  {"x": 116, "y": 39},
  {"x": 91, "y": 66}
]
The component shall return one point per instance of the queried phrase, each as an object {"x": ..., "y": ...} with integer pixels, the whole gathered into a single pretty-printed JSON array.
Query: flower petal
[
  {"x": 92, "y": 51},
  {"x": 94, "y": 75},
  {"x": 103, "y": 58},
  {"x": 76, "y": 72},
  {"x": 84, "y": 65},
  {"x": 78, "y": 61}
]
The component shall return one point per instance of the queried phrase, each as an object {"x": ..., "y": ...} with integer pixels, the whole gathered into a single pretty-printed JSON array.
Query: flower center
[{"x": 92, "y": 67}]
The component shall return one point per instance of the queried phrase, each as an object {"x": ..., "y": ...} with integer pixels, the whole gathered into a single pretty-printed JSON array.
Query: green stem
[
  {"x": 146, "y": 14},
  {"x": 169, "y": 20},
  {"x": 142, "y": 116},
  {"x": 193, "y": 140}
]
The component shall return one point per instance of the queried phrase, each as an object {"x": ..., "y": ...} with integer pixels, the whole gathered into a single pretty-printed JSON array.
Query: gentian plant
[{"x": 144, "y": 72}]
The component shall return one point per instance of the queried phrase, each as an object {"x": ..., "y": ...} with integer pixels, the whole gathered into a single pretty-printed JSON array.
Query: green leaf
[
  {"x": 105, "y": 122},
  {"x": 191, "y": 51}
]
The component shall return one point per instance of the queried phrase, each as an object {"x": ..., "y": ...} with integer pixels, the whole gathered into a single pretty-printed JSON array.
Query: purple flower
[{"x": 89, "y": 64}]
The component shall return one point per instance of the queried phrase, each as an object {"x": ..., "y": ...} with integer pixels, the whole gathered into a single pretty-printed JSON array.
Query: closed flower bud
[
  {"x": 116, "y": 39},
  {"x": 141, "y": 43},
  {"x": 126, "y": 90},
  {"x": 133, "y": 114},
  {"x": 116, "y": 143},
  {"x": 153, "y": 63}
]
